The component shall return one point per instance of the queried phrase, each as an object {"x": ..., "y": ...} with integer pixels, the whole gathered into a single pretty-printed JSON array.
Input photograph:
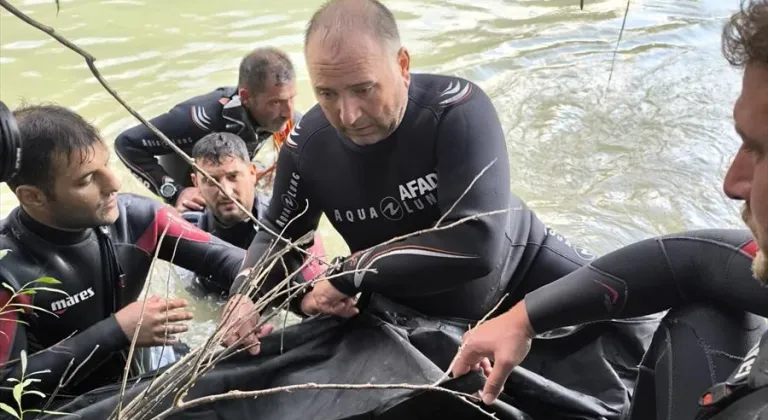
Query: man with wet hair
[
  {"x": 703, "y": 362},
  {"x": 73, "y": 225},
  {"x": 224, "y": 156},
  {"x": 258, "y": 109}
]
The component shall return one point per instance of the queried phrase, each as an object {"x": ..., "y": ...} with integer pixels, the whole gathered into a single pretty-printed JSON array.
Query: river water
[{"x": 605, "y": 164}]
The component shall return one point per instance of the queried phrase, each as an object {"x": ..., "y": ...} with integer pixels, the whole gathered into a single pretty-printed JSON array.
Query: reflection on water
[{"x": 603, "y": 164}]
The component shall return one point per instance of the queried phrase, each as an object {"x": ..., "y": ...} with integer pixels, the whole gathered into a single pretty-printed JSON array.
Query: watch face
[{"x": 168, "y": 190}]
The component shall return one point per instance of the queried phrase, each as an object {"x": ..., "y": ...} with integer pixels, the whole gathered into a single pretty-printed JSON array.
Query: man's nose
[
  {"x": 349, "y": 112},
  {"x": 738, "y": 180}
]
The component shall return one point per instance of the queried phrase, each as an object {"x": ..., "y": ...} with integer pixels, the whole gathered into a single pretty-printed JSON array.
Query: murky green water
[{"x": 604, "y": 164}]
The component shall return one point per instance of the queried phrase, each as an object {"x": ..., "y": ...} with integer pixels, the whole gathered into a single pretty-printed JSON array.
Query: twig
[
  {"x": 64, "y": 382},
  {"x": 308, "y": 386},
  {"x": 167, "y": 295},
  {"x": 138, "y": 326},
  {"x": 469, "y": 187},
  {"x": 90, "y": 60},
  {"x": 616, "y": 50}
]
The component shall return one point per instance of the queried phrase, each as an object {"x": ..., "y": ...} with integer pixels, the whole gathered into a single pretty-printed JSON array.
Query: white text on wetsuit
[
  {"x": 72, "y": 300},
  {"x": 290, "y": 204},
  {"x": 415, "y": 195}
]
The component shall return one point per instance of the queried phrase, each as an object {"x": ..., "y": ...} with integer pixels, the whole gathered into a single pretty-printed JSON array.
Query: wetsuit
[
  {"x": 407, "y": 182},
  {"x": 102, "y": 270},
  {"x": 240, "y": 235},
  {"x": 185, "y": 124},
  {"x": 705, "y": 275}
]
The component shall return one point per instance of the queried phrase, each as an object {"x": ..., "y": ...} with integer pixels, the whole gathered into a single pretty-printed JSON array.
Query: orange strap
[{"x": 278, "y": 139}]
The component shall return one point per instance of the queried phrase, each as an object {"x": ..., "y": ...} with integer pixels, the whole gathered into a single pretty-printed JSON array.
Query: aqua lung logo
[
  {"x": 391, "y": 209},
  {"x": 160, "y": 143},
  {"x": 415, "y": 196},
  {"x": 290, "y": 203},
  {"x": 582, "y": 252},
  {"x": 746, "y": 366}
]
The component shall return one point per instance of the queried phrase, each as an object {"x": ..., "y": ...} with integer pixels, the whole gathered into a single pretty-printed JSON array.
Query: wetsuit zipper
[{"x": 113, "y": 273}]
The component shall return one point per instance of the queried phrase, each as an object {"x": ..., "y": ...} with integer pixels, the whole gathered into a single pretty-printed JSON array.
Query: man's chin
[{"x": 760, "y": 268}]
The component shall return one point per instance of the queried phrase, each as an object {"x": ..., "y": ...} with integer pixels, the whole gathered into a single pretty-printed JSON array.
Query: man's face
[
  {"x": 84, "y": 190},
  {"x": 747, "y": 178},
  {"x": 361, "y": 86},
  {"x": 272, "y": 108},
  {"x": 238, "y": 179}
]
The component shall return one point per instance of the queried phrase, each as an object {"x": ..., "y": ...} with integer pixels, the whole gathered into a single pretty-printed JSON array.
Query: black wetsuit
[
  {"x": 240, "y": 235},
  {"x": 102, "y": 270},
  {"x": 408, "y": 182},
  {"x": 706, "y": 276},
  {"x": 185, "y": 124}
]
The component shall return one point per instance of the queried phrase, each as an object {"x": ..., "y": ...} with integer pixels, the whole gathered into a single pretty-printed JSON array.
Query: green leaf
[
  {"x": 38, "y": 393},
  {"x": 23, "y": 362},
  {"x": 3, "y": 252},
  {"x": 47, "y": 280},
  {"x": 26, "y": 383},
  {"x": 5, "y": 407},
  {"x": 12, "y": 380},
  {"x": 49, "y": 289},
  {"x": 34, "y": 308},
  {"x": 27, "y": 292},
  {"x": 17, "y": 393}
]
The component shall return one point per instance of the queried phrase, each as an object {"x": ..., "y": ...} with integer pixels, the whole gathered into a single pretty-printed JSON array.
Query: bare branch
[
  {"x": 141, "y": 319},
  {"x": 308, "y": 386},
  {"x": 90, "y": 60},
  {"x": 469, "y": 187}
]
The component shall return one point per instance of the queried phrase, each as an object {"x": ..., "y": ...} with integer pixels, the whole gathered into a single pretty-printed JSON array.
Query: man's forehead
[
  {"x": 79, "y": 162},
  {"x": 223, "y": 165},
  {"x": 283, "y": 89}
]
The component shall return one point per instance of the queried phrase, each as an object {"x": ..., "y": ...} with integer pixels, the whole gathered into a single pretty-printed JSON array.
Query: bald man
[{"x": 386, "y": 153}]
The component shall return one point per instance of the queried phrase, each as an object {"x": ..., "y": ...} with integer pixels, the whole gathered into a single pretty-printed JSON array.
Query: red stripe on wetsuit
[
  {"x": 177, "y": 228},
  {"x": 8, "y": 319}
]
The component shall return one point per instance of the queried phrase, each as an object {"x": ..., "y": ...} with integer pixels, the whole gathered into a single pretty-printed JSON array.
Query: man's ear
[
  {"x": 245, "y": 96},
  {"x": 193, "y": 176},
  {"x": 31, "y": 197}
]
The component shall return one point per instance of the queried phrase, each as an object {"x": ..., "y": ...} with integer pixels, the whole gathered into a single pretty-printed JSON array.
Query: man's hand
[
  {"x": 243, "y": 323},
  {"x": 506, "y": 339},
  {"x": 158, "y": 320},
  {"x": 325, "y": 299},
  {"x": 190, "y": 199}
]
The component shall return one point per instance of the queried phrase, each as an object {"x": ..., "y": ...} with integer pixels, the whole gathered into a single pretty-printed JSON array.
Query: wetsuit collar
[{"x": 50, "y": 234}]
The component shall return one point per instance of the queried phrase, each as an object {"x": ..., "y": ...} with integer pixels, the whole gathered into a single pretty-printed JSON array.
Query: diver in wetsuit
[
  {"x": 224, "y": 156},
  {"x": 708, "y": 277},
  {"x": 73, "y": 226},
  {"x": 258, "y": 109},
  {"x": 387, "y": 153}
]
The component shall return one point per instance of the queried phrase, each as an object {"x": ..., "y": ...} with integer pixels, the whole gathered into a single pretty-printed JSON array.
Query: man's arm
[
  {"x": 105, "y": 337},
  {"x": 651, "y": 276},
  {"x": 712, "y": 266},
  {"x": 290, "y": 199},
  {"x": 470, "y": 137},
  {"x": 184, "y": 124},
  {"x": 184, "y": 244}
]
